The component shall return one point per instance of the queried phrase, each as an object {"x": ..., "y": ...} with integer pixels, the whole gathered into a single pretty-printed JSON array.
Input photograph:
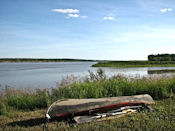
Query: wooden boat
[{"x": 75, "y": 107}]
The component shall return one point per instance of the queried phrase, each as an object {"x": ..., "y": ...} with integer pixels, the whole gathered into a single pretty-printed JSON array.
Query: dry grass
[{"x": 162, "y": 118}]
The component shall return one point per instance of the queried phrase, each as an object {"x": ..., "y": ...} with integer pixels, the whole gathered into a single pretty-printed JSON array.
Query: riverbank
[
  {"x": 96, "y": 85},
  {"x": 127, "y": 64},
  {"x": 23, "y": 108}
]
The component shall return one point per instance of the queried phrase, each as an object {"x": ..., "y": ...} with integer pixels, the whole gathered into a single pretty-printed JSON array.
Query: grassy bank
[
  {"x": 162, "y": 118},
  {"x": 123, "y": 64},
  {"x": 96, "y": 85},
  {"x": 25, "y": 109},
  {"x": 23, "y": 100}
]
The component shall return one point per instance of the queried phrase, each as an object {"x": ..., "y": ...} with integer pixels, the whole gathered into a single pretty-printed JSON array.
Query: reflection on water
[
  {"x": 46, "y": 75},
  {"x": 150, "y": 72}
]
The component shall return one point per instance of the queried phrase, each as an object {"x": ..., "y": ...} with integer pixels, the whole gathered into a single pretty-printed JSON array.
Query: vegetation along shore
[
  {"x": 159, "y": 60},
  {"x": 127, "y": 64},
  {"x": 22, "y": 109}
]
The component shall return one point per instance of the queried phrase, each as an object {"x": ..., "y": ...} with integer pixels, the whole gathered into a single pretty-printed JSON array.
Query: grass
[
  {"x": 22, "y": 109},
  {"x": 99, "y": 86},
  {"x": 23, "y": 99},
  {"x": 94, "y": 86},
  {"x": 126, "y": 64},
  {"x": 162, "y": 118}
]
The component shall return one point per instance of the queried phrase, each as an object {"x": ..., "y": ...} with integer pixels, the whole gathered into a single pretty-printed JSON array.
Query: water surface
[{"x": 47, "y": 75}]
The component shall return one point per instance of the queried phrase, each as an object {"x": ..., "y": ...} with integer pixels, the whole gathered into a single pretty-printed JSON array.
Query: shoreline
[
  {"x": 133, "y": 64},
  {"x": 29, "y": 60},
  {"x": 22, "y": 109}
]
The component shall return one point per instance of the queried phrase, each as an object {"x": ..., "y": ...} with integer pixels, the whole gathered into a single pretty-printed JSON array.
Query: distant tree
[
  {"x": 151, "y": 58},
  {"x": 172, "y": 57},
  {"x": 162, "y": 57}
]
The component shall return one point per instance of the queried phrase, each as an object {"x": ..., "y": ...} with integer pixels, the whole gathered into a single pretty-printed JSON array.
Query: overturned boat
[{"x": 78, "y": 107}]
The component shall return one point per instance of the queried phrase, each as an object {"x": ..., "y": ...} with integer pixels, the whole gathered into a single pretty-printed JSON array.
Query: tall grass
[
  {"x": 96, "y": 85},
  {"x": 3, "y": 109},
  {"x": 158, "y": 88},
  {"x": 23, "y": 99}
]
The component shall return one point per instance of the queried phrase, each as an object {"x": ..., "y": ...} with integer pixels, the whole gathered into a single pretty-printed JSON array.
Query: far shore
[
  {"x": 99, "y": 63},
  {"x": 128, "y": 64},
  {"x": 20, "y": 60}
]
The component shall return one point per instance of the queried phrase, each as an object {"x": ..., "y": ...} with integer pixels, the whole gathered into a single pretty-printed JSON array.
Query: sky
[{"x": 86, "y": 29}]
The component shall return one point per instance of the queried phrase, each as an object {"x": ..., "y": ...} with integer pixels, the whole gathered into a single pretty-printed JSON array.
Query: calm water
[{"x": 46, "y": 75}]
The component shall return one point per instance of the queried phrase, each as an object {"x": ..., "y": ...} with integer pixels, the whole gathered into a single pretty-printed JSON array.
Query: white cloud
[
  {"x": 73, "y": 15},
  {"x": 166, "y": 10},
  {"x": 84, "y": 16},
  {"x": 163, "y": 10},
  {"x": 170, "y": 9},
  {"x": 69, "y": 11},
  {"x": 109, "y": 18}
]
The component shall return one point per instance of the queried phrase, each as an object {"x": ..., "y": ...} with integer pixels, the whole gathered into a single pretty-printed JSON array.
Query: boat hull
[{"x": 74, "y": 107}]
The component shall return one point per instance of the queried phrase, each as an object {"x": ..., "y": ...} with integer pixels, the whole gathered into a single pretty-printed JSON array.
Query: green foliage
[
  {"x": 27, "y": 101},
  {"x": 158, "y": 88},
  {"x": 122, "y": 64},
  {"x": 3, "y": 109},
  {"x": 97, "y": 85},
  {"x": 162, "y": 57}
]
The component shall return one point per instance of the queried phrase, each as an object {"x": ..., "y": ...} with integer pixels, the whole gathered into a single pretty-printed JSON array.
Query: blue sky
[{"x": 86, "y": 29}]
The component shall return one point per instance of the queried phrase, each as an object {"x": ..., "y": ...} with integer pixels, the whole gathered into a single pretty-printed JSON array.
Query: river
[{"x": 47, "y": 75}]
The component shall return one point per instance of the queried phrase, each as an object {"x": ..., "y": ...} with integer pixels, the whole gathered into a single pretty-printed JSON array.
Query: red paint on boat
[{"x": 102, "y": 109}]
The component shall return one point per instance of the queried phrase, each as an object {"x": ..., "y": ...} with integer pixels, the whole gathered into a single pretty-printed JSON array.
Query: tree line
[{"x": 162, "y": 57}]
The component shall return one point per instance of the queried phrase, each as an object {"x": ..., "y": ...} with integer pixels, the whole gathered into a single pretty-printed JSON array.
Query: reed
[
  {"x": 24, "y": 99},
  {"x": 100, "y": 86},
  {"x": 96, "y": 85}
]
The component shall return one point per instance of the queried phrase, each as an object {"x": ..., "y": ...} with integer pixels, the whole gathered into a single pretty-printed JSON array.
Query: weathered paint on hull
[{"x": 69, "y": 107}]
